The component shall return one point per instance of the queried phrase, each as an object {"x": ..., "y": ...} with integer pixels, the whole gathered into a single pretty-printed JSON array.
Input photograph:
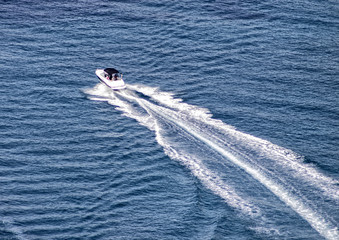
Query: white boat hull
[{"x": 114, "y": 84}]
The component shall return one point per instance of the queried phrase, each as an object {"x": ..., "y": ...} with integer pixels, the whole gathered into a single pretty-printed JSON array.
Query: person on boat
[
  {"x": 115, "y": 77},
  {"x": 107, "y": 76}
]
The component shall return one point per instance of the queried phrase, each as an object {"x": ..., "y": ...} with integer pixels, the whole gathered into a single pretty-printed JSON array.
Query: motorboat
[{"x": 111, "y": 78}]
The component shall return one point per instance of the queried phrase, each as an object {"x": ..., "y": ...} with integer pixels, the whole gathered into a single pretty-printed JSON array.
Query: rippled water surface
[{"x": 228, "y": 127}]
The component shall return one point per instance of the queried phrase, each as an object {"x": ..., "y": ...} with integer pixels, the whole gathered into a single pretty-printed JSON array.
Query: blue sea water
[{"x": 228, "y": 128}]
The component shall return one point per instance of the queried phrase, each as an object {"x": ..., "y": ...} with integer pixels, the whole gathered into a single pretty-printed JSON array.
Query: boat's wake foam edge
[{"x": 231, "y": 163}]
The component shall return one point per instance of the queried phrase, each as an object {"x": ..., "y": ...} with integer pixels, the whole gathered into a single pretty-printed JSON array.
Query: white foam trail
[
  {"x": 102, "y": 93},
  {"x": 207, "y": 177},
  {"x": 289, "y": 160},
  {"x": 100, "y": 90},
  {"x": 179, "y": 113},
  {"x": 319, "y": 223},
  {"x": 285, "y": 157},
  {"x": 176, "y": 103}
]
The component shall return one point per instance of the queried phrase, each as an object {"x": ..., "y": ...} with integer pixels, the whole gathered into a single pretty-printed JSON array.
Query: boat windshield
[{"x": 116, "y": 76}]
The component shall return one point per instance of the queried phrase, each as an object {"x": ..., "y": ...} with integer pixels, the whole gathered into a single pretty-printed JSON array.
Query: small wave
[{"x": 10, "y": 226}]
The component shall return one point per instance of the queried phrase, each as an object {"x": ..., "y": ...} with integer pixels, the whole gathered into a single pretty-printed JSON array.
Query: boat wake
[{"x": 255, "y": 177}]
